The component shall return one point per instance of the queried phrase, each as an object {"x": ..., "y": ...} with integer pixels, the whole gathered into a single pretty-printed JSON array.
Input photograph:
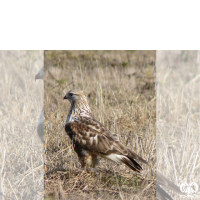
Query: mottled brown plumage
[{"x": 90, "y": 138}]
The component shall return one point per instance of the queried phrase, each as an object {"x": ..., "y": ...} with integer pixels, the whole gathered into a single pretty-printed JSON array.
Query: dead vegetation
[
  {"x": 21, "y": 101},
  {"x": 178, "y": 138},
  {"x": 120, "y": 87}
]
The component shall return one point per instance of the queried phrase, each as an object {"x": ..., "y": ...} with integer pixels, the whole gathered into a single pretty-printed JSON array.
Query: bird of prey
[
  {"x": 91, "y": 139},
  {"x": 40, "y": 126}
]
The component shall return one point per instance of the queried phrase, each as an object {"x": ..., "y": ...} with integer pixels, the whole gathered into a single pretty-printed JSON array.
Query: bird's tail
[
  {"x": 133, "y": 155},
  {"x": 130, "y": 162}
]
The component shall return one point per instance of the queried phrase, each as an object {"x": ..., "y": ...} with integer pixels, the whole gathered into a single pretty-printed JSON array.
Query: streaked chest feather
[{"x": 76, "y": 114}]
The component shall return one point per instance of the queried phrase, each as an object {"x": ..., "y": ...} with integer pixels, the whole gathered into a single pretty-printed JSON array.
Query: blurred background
[
  {"x": 178, "y": 112},
  {"x": 21, "y": 102}
]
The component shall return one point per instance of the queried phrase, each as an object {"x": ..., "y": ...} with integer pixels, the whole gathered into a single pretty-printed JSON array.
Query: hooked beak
[{"x": 65, "y": 97}]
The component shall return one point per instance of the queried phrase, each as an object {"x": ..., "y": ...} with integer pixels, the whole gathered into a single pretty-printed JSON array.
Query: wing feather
[{"x": 93, "y": 136}]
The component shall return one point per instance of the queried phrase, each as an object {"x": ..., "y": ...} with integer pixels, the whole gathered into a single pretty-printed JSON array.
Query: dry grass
[
  {"x": 21, "y": 152},
  {"x": 178, "y": 138},
  {"x": 120, "y": 89}
]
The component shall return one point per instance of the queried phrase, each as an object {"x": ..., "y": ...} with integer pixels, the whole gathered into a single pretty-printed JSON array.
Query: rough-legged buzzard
[{"x": 90, "y": 138}]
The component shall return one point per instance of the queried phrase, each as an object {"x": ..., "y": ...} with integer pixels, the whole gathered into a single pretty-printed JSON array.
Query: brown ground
[{"x": 120, "y": 87}]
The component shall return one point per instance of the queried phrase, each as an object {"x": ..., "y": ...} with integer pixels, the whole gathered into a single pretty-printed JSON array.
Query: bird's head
[
  {"x": 74, "y": 96},
  {"x": 78, "y": 102}
]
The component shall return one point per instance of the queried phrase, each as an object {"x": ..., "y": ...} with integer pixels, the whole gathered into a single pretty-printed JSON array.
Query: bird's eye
[{"x": 70, "y": 94}]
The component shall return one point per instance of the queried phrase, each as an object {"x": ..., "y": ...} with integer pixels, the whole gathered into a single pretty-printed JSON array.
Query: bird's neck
[{"x": 78, "y": 109}]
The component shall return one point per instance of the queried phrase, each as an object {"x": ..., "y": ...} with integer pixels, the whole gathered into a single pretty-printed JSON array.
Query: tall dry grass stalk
[{"x": 21, "y": 101}]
